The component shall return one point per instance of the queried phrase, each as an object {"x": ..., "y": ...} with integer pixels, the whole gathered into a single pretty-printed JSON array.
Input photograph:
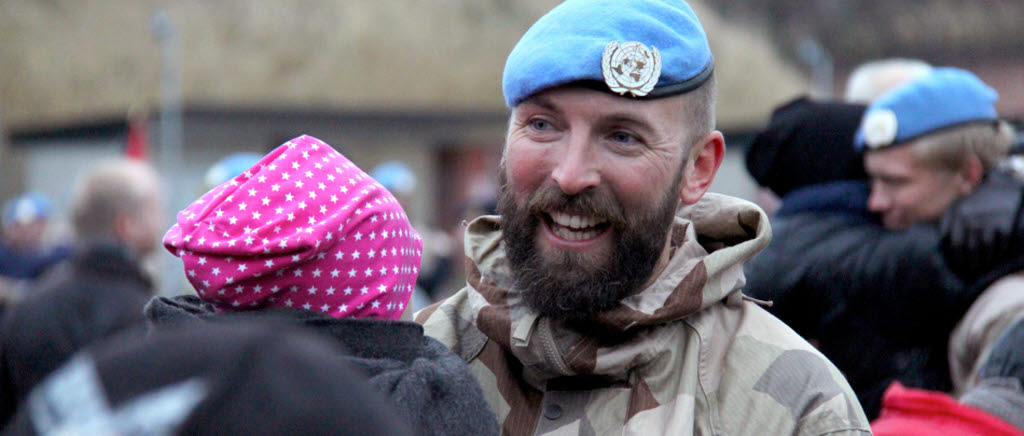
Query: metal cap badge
[{"x": 631, "y": 67}]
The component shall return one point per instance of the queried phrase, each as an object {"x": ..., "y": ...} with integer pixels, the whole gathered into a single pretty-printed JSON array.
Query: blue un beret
[
  {"x": 944, "y": 98},
  {"x": 26, "y": 208},
  {"x": 567, "y": 44}
]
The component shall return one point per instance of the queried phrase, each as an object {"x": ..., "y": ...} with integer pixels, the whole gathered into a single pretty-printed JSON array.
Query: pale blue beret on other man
[
  {"x": 944, "y": 98},
  {"x": 26, "y": 208},
  {"x": 569, "y": 43}
]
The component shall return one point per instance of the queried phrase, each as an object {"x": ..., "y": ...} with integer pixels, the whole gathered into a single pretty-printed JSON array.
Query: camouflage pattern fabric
[{"x": 689, "y": 355}]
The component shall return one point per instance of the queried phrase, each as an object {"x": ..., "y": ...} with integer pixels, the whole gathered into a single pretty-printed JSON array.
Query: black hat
[
  {"x": 223, "y": 378},
  {"x": 807, "y": 142}
]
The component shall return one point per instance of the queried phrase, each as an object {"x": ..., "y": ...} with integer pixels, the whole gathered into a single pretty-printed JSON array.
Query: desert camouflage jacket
[{"x": 689, "y": 355}]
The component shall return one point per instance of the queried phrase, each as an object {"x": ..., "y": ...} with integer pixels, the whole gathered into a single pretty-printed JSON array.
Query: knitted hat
[
  {"x": 944, "y": 98},
  {"x": 806, "y": 142},
  {"x": 651, "y": 48},
  {"x": 1006, "y": 360},
  {"x": 303, "y": 228},
  {"x": 1001, "y": 389}
]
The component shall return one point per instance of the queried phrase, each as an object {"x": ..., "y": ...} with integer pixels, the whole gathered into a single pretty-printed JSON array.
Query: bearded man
[{"x": 606, "y": 297}]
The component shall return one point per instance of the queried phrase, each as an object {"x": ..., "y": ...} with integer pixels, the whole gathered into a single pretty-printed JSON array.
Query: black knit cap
[{"x": 807, "y": 142}]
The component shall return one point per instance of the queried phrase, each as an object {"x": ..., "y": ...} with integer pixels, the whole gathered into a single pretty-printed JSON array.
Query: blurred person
[
  {"x": 227, "y": 168},
  {"x": 879, "y": 304},
  {"x": 304, "y": 236},
  {"x": 606, "y": 296},
  {"x": 871, "y": 79},
  {"x": 116, "y": 210},
  {"x": 994, "y": 406},
  {"x": 867, "y": 81},
  {"x": 983, "y": 242},
  {"x": 929, "y": 143},
  {"x": 231, "y": 378},
  {"x": 438, "y": 249},
  {"x": 24, "y": 253}
]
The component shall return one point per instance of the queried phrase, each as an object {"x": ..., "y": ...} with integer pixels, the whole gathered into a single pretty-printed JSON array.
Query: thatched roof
[
  {"x": 940, "y": 31},
  {"x": 67, "y": 60}
]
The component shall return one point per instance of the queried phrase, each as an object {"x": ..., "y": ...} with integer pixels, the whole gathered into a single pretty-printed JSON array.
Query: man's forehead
[
  {"x": 892, "y": 162},
  {"x": 567, "y": 99}
]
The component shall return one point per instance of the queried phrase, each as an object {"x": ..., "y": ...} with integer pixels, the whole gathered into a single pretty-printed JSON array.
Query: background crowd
[{"x": 897, "y": 251}]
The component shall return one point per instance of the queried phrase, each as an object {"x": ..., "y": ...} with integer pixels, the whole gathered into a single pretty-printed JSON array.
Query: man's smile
[{"x": 575, "y": 228}]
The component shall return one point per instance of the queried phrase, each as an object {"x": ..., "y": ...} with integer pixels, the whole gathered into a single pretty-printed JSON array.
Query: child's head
[{"x": 303, "y": 228}]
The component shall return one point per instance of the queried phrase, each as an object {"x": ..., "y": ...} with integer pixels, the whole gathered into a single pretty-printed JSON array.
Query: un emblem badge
[{"x": 631, "y": 67}]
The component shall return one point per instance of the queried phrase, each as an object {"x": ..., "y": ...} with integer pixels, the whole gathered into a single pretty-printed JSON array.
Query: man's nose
[
  {"x": 878, "y": 201},
  {"x": 577, "y": 169}
]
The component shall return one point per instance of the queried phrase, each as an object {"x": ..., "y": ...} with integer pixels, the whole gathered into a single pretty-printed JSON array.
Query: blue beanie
[
  {"x": 569, "y": 43},
  {"x": 944, "y": 98}
]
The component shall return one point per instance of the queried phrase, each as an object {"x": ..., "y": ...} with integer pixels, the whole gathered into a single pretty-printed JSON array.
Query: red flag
[{"x": 137, "y": 144}]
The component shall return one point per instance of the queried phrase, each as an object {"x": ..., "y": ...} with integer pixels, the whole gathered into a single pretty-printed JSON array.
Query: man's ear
[
  {"x": 123, "y": 226},
  {"x": 975, "y": 172},
  {"x": 701, "y": 166},
  {"x": 972, "y": 173}
]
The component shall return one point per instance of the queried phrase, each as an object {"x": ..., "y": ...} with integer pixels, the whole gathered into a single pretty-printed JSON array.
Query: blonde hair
[{"x": 950, "y": 149}]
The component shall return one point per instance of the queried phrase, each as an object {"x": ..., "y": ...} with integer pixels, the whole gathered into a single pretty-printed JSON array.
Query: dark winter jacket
[
  {"x": 983, "y": 233},
  {"x": 253, "y": 379},
  {"x": 100, "y": 293},
  {"x": 426, "y": 382},
  {"x": 881, "y": 304}
]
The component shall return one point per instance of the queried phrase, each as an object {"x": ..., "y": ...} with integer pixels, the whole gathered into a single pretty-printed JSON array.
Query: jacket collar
[{"x": 713, "y": 239}]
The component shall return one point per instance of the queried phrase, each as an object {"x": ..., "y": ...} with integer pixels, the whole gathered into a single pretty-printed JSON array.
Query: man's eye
[
  {"x": 540, "y": 125},
  {"x": 623, "y": 137}
]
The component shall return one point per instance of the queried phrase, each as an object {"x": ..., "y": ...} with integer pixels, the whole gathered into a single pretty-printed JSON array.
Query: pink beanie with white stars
[{"x": 302, "y": 228}]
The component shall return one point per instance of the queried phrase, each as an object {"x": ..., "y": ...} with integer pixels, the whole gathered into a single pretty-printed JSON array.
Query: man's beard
[{"x": 575, "y": 286}]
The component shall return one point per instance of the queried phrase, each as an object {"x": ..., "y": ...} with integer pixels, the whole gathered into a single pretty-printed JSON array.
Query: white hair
[{"x": 874, "y": 78}]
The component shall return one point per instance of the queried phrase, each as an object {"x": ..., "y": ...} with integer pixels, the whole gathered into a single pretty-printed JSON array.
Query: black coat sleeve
[{"x": 983, "y": 233}]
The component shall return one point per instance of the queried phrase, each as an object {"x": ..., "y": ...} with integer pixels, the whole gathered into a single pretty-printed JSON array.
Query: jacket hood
[{"x": 713, "y": 239}]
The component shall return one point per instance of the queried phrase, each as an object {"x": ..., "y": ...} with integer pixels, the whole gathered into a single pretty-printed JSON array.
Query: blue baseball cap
[
  {"x": 646, "y": 48},
  {"x": 944, "y": 98}
]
